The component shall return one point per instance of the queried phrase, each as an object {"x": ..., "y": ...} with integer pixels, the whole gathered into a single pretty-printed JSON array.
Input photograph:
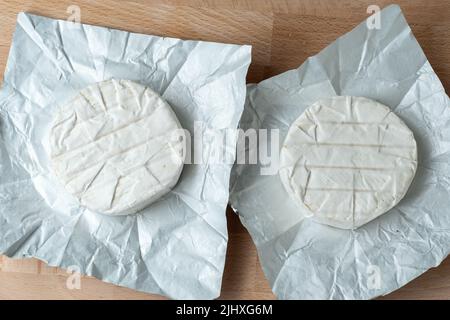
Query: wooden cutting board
[{"x": 283, "y": 34}]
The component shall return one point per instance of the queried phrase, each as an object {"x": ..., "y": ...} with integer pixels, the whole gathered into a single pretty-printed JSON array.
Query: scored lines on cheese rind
[
  {"x": 101, "y": 150},
  {"x": 79, "y": 124},
  {"x": 111, "y": 156},
  {"x": 99, "y": 137},
  {"x": 127, "y": 171},
  {"x": 147, "y": 102}
]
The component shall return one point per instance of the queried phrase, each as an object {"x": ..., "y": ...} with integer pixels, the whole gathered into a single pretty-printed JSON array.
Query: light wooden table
[{"x": 283, "y": 34}]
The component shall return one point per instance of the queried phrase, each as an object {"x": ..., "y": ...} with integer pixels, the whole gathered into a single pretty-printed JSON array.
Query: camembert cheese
[
  {"x": 347, "y": 160},
  {"x": 117, "y": 147}
]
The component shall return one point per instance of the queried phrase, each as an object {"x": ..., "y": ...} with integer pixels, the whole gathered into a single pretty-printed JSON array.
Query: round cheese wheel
[
  {"x": 117, "y": 147},
  {"x": 347, "y": 160}
]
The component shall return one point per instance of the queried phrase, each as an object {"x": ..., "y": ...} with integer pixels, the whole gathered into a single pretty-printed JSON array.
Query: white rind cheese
[
  {"x": 117, "y": 147},
  {"x": 347, "y": 160}
]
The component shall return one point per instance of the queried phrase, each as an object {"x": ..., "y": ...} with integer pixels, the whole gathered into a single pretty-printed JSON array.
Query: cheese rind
[
  {"x": 117, "y": 147},
  {"x": 347, "y": 160}
]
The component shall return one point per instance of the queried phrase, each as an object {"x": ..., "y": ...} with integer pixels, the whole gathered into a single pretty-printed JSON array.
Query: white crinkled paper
[
  {"x": 306, "y": 260},
  {"x": 176, "y": 246}
]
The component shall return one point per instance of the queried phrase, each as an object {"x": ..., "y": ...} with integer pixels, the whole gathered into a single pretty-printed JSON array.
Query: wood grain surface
[{"x": 283, "y": 34}]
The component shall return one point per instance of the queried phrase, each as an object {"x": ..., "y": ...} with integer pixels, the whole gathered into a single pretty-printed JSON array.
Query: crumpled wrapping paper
[
  {"x": 176, "y": 246},
  {"x": 306, "y": 260}
]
